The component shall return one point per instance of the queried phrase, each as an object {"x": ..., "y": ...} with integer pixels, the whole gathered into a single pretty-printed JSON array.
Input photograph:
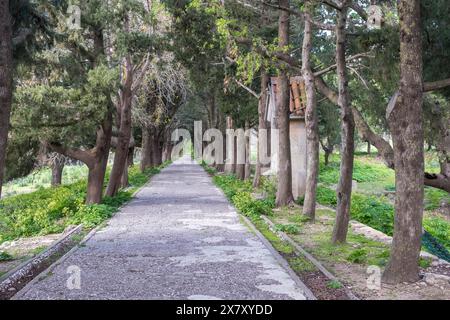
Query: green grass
[
  {"x": 51, "y": 210},
  {"x": 334, "y": 284},
  {"x": 4, "y": 256},
  {"x": 287, "y": 228},
  {"x": 370, "y": 206},
  {"x": 41, "y": 178}
]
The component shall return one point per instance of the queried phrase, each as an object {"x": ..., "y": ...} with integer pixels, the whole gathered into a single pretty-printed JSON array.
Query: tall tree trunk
[
  {"x": 262, "y": 125},
  {"x": 6, "y": 81},
  {"x": 406, "y": 124},
  {"x": 312, "y": 126},
  {"x": 344, "y": 188},
  {"x": 57, "y": 171},
  {"x": 95, "y": 159},
  {"x": 146, "y": 158},
  {"x": 247, "y": 152},
  {"x": 157, "y": 150},
  {"x": 239, "y": 168},
  {"x": 96, "y": 178},
  {"x": 328, "y": 153},
  {"x": 97, "y": 171},
  {"x": 369, "y": 148},
  {"x": 284, "y": 190},
  {"x": 130, "y": 161},
  {"x": 124, "y": 135},
  {"x": 230, "y": 155}
]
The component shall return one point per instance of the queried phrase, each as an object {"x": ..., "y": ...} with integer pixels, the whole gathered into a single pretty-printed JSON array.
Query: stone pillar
[{"x": 298, "y": 155}]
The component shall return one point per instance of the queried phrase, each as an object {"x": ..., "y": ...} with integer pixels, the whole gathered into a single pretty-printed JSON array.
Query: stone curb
[
  {"x": 20, "y": 273},
  {"x": 308, "y": 256}
]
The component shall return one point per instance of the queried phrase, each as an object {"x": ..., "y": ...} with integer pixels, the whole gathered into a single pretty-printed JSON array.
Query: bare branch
[
  {"x": 351, "y": 58},
  {"x": 317, "y": 24},
  {"x": 257, "y": 96},
  {"x": 436, "y": 85}
]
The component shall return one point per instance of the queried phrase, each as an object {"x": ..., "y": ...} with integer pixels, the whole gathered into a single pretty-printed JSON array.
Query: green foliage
[
  {"x": 434, "y": 198},
  {"x": 5, "y": 256},
  {"x": 300, "y": 264},
  {"x": 41, "y": 178},
  {"x": 287, "y": 228},
  {"x": 270, "y": 189},
  {"x": 231, "y": 186},
  {"x": 326, "y": 196},
  {"x": 210, "y": 170},
  {"x": 50, "y": 210},
  {"x": 334, "y": 284},
  {"x": 362, "y": 172},
  {"x": 377, "y": 211},
  {"x": 358, "y": 256},
  {"x": 248, "y": 206},
  {"x": 373, "y": 211},
  {"x": 424, "y": 263},
  {"x": 438, "y": 228},
  {"x": 239, "y": 192}
]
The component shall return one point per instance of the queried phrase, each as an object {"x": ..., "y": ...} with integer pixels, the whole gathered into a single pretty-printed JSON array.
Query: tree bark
[
  {"x": 146, "y": 158},
  {"x": 6, "y": 81},
  {"x": 262, "y": 125},
  {"x": 157, "y": 150},
  {"x": 130, "y": 161},
  {"x": 97, "y": 170},
  {"x": 247, "y": 152},
  {"x": 312, "y": 126},
  {"x": 344, "y": 188},
  {"x": 230, "y": 158},
  {"x": 406, "y": 125},
  {"x": 95, "y": 159},
  {"x": 124, "y": 135},
  {"x": 239, "y": 166},
  {"x": 57, "y": 171},
  {"x": 284, "y": 191}
]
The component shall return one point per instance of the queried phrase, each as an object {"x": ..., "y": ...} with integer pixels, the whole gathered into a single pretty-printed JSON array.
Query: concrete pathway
[{"x": 178, "y": 239}]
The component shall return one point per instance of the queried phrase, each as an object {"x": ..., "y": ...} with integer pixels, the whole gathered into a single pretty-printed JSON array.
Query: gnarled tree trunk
[
  {"x": 284, "y": 191},
  {"x": 124, "y": 134},
  {"x": 6, "y": 81},
  {"x": 96, "y": 159},
  {"x": 344, "y": 188},
  {"x": 405, "y": 117}
]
